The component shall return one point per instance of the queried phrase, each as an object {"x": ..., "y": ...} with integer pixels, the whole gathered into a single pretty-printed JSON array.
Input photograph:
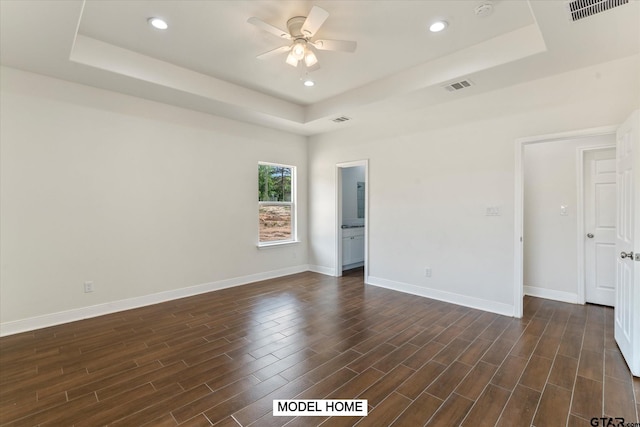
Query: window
[{"x": 276, "y": 203}]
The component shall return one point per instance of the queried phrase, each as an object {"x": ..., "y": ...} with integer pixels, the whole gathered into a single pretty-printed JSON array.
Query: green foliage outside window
[
  {"x": 274, "y": 183},
  {"x": 276, "y": 211}
]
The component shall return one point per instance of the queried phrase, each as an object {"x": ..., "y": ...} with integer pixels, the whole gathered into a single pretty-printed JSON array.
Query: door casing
[
  {"x": 518, "y": 280},
  {"x": 338, "y": 216}
]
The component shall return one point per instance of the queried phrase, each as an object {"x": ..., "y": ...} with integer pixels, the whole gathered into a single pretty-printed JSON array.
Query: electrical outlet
[
  {"x": 427, "y": 272},
  {"x": 88, "y": 287}
]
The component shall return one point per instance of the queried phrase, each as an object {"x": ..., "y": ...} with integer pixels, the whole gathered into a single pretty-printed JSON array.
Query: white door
[
  {"x": 600, "y": 226},
  {"x": 627, "y": 308}
]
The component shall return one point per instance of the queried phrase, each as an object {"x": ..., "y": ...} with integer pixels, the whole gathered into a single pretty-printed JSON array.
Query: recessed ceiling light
[
  {"x": 158, "y": 23},
  {"x": 309, "y": 83},
  {"x": 438, "y": 26}
]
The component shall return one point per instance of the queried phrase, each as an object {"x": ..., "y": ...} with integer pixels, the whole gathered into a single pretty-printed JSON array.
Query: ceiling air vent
[
  {"x": 341, "y": 119},
  {"x": 580, "y": 9},
  {"x": 452, "y": 87}
]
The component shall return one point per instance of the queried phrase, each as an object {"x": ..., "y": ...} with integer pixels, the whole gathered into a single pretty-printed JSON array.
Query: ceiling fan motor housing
[{"x": 294, "y": 25}]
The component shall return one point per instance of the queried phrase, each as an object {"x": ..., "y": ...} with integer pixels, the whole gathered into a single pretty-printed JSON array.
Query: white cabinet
[
  {"x": 357, "y": 249},
  {"x": 352, "y": 246}
]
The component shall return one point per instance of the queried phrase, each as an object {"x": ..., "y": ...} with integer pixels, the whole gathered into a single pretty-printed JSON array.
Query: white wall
[
  {"x": 139, "y": 197},
  {"x": 430, "y": 181},
  {"x": 350, "y": 178},
  {"x": 550, "y": 239},
  {"x": 148, "y": 199}
]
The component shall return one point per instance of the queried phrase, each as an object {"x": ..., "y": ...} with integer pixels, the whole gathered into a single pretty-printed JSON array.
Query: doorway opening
[
  {"x": 560, "y": 214},
  {"x": 352, "y": 217}
]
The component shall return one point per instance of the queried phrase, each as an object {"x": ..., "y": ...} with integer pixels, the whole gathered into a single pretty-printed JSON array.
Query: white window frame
[{"x": 292, "y": 203}]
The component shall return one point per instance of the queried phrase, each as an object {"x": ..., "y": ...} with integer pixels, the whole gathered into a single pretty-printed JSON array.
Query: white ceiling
[{"x": 206, "y": 60}]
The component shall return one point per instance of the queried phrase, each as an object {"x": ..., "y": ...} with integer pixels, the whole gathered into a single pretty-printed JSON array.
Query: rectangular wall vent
[
  {"x": 341, "y": 119},
  {"x": 452, "y": 87},
  {"x": 580, "y": 9}
]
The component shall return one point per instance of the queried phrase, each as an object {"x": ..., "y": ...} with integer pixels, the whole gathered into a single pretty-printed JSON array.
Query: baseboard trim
[
  {"x": 351, "y": 266},
  {"x": 328, "y": 271},
  {"x": 466, "y": 301},
  {"x": 47, "y": 320},
  {"x": 39, "y": 322},
  {"x": 551, "y": 294}
]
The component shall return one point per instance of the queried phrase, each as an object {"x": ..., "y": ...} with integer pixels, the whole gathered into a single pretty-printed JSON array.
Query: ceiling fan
[{"x": 301, "y": 31}]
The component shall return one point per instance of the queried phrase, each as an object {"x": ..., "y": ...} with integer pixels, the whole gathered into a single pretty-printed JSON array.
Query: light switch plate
[{"x": 493, "y": 211}]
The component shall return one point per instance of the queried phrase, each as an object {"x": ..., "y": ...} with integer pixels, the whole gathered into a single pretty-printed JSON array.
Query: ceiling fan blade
[
  {"x": 269, "y": 28},
  {"x": 337, "y": 45},
  {"x": 314, "y": 21},
  {"x": 274, "y": 52}
]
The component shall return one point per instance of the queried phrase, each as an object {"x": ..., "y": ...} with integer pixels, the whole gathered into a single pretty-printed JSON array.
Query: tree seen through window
[{"x": 276, "y": 211}]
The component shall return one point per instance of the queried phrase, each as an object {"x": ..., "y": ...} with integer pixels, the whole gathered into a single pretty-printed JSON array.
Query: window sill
[{"x": 274, "y": 244}]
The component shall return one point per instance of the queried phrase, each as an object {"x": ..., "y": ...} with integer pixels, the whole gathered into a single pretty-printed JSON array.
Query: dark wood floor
[{"x": 221, "y": 358}]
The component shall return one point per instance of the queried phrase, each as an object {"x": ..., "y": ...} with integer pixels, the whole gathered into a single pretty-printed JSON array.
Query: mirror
[{"x": 360, "y": 197}]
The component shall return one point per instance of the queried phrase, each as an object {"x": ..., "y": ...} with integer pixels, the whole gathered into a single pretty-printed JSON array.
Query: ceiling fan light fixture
[
  {"x": 292, "y": 60},
  {"x": 438, "y": 26},
  {"x": 310, "y": 58},
  {"x": 309, "y": 83},
  {"x": 299, "y": 49},
  {"x": 158, "y": 23}
]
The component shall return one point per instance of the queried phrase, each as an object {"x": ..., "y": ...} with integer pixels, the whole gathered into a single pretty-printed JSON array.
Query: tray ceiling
[{"x": 206, "y": 59}]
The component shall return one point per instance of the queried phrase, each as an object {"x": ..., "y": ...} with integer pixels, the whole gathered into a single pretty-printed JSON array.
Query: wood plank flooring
[{"x": 222, "y": 357}]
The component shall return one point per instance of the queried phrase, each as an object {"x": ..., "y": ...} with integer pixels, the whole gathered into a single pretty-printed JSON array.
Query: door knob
[
  {"x": 590, "y": 235},
  {"x": 624, "y": 255}
]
